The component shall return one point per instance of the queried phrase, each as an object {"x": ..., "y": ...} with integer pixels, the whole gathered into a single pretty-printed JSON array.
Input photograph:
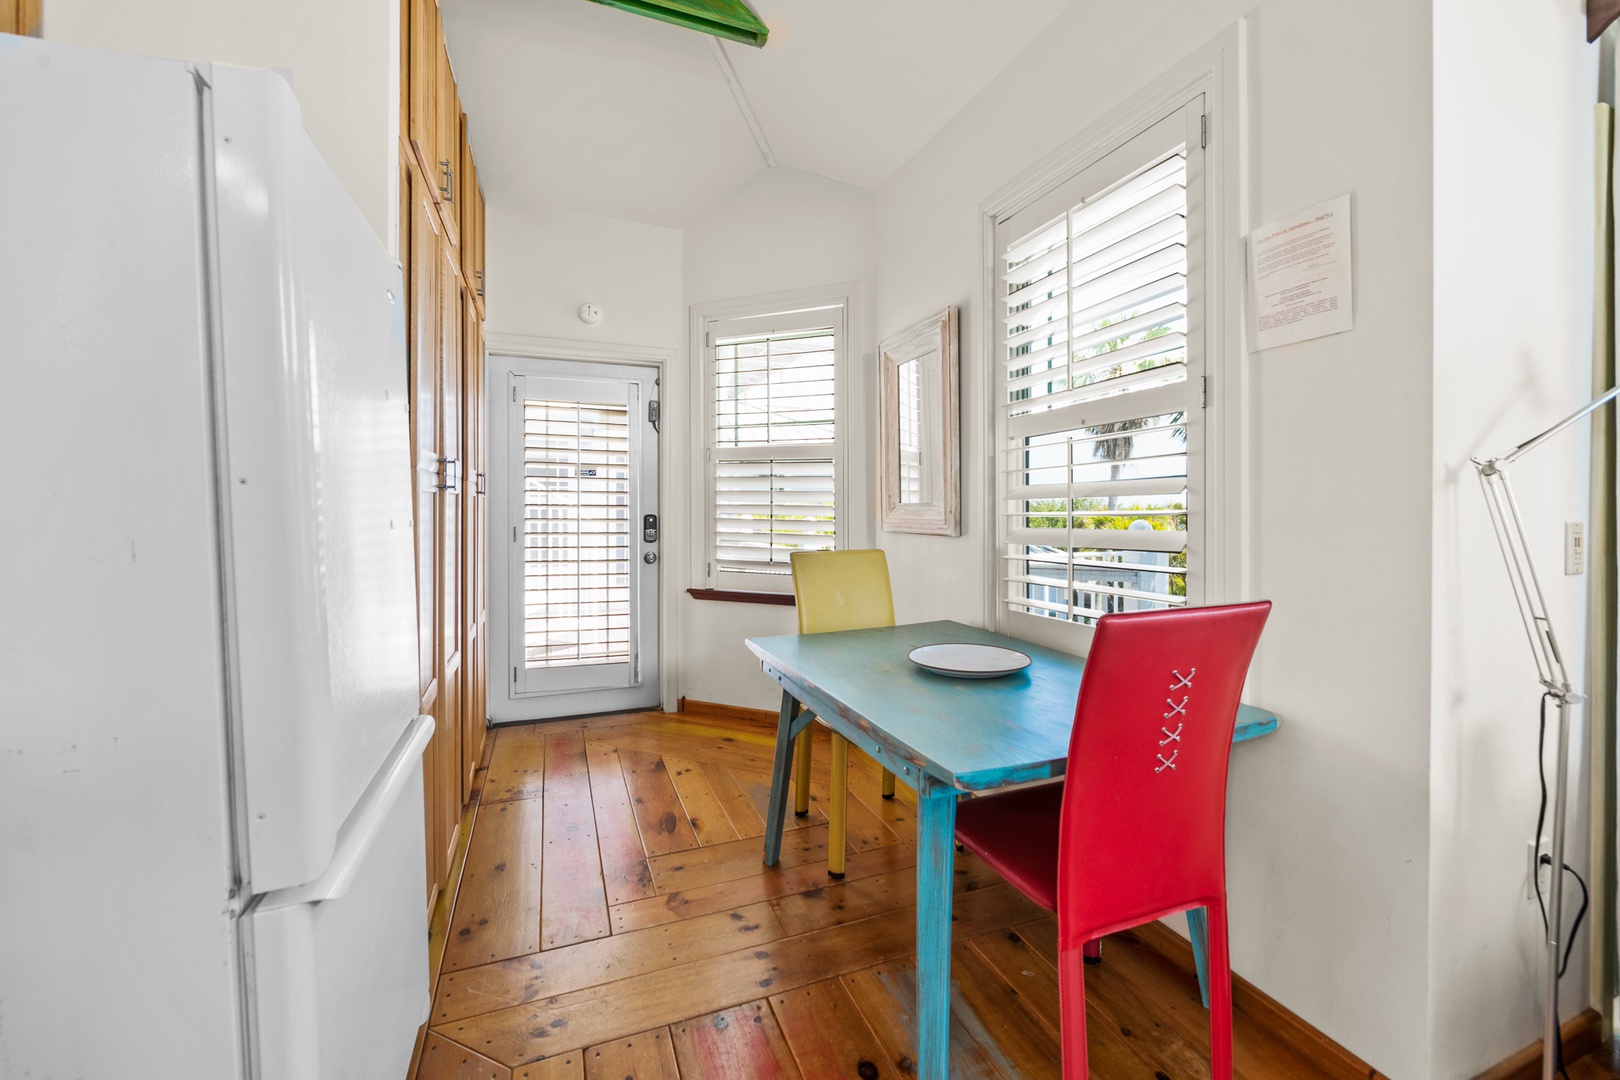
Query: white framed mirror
[{"x": 919, "y": 452}]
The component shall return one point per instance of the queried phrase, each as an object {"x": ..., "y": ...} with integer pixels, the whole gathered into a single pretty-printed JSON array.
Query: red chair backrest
[{"x": 1143, "y": 831}]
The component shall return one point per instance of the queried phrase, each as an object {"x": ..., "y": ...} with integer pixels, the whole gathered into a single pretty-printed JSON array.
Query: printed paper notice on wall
[{"x": 1300, "y": 276}]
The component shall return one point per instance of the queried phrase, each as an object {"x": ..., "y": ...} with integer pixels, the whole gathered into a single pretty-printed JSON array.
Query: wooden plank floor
[
  {"x": 1602, "y": 1064},
  {"x": 614, "y": 921}
]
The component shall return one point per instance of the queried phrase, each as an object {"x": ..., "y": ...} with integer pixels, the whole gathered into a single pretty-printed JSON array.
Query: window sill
[{"x": 739, "y": 597}]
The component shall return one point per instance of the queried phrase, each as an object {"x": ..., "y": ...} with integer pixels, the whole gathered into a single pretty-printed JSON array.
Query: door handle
[
  {"x": 359, "y": 832},
  {"x": 450, "y": 479}
]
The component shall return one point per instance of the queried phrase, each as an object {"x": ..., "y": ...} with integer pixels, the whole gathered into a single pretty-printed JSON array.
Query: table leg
[
  {"x": 838, "y": 807},
  {"x": 781, "y": 774},
  {"x": 801, "y": 789},
  {"x": 936, "y": 859},
  {"x": 1198, "y": 934}
]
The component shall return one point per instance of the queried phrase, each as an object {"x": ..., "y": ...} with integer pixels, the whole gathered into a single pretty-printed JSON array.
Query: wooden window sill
[{"x": 738, "y": 597}]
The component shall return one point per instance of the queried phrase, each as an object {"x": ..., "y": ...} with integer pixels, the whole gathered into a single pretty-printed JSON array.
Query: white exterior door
[{"x": 581, "y": 490}]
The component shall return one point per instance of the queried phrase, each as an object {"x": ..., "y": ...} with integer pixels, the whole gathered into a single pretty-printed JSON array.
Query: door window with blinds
[
  {"x": 1099, "y": 379},
  {"x": 580, "y": 587},
  {"x": 774, "y": 470}
]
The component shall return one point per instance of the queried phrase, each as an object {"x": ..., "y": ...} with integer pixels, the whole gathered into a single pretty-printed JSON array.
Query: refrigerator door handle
[{"x": 357, "y": 833}]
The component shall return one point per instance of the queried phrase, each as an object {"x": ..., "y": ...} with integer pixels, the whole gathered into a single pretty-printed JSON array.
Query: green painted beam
[{"x": 723, "y": 18}]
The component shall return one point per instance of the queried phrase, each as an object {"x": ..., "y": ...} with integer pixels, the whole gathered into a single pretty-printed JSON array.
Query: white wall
[
  {"x": 541, "y": 265},
  {"x": 783, "y": 230},
  {"x": 1329, "y": 818},
  {"x": 343, "y": 56},
  {"x": 1512, "y": 338}
]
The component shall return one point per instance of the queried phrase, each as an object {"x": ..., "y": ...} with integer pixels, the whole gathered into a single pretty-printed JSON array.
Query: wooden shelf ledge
[{"x": 734, "y": 596}]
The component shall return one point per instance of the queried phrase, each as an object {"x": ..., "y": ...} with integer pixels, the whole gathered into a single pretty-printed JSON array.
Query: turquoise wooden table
[{"x": 943, "y": 737}]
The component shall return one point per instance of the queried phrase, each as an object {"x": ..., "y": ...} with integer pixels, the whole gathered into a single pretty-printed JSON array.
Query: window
[
  {"x": 576, "y": 533},
  {"x": 774, "y": 465},
  {"x": 1101, "y": 371}
]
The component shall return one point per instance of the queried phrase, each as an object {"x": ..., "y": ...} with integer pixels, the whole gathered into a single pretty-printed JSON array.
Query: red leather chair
[{"x": 1137, "y": 829}]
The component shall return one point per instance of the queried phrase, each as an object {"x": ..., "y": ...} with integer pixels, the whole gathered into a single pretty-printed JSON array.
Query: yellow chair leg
[
  {"x": 838, "y": 819},
  {"x": 801, "y": 797},
  {"x": 888, "y": 784}
]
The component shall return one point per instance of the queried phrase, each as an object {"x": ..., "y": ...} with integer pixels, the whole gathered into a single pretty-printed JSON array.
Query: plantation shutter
[
  {"x": 773, "y": 464},
  {"x": 1100, "y": 370},
  {"x": 576, "y": 533}
]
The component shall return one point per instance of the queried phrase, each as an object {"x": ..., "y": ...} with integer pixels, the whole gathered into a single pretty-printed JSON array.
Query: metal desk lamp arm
[
  {"x": 1526, "y": 584},
  {"x": 1509, "y": 528}
]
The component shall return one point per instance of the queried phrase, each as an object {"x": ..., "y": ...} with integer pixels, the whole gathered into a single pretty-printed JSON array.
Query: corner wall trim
[{"x": 726, "y": 712}]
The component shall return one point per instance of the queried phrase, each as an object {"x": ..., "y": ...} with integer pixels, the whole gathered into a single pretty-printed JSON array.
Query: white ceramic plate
[{"x": 963, "y": 661}]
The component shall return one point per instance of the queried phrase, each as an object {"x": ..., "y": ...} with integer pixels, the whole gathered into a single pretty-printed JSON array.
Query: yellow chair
[{"x": 838, "y": 590}]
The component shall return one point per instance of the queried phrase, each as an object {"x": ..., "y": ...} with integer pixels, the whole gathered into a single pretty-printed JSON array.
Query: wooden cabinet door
[
  {"x": 468, "y": 180},
  {"x": 425, "y": 358},
  {"x": 472, "y": 221},
  {"x": 422, "y": 82},
  {"x": 448, "y": 136},
  {"x": 453, "y": 500},
  {"x": 474, "y": 647},
  {"x": 475, "y": 201}
]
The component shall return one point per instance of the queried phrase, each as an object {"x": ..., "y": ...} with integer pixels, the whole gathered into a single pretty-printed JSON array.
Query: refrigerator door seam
[{"x": 213, "y": 350}]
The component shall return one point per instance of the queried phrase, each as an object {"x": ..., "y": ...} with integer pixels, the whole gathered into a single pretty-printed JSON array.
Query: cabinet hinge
[
  {"x": 1203, "y": 130},
  {"x": 514, "y": 534},
  {"x": 1203, "y": 391},
  {"x": 514, "y": 395},
  {"x": 514, "y": 674},
  {"x": 708, "y": 339}
]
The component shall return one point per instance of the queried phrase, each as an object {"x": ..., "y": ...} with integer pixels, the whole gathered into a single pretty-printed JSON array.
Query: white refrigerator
[{"x": 211, "y": 832}]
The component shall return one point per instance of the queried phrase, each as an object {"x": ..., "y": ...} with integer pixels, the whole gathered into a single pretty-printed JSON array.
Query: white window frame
[
  {"x": 839, "y": 302},
  {"x": 1222, "y": 552}
]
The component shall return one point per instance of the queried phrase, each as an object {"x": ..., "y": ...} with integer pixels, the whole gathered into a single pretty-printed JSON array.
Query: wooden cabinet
[
  {"x": 442, "y": 219},
  {"x": 19, "y": 17},
  {"x": 426, "y": 243}
]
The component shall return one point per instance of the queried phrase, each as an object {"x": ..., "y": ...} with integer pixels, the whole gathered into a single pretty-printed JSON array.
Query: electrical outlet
[
  {"x": 1574, "y": 547},
  {"x": 1535, "y": 870}
]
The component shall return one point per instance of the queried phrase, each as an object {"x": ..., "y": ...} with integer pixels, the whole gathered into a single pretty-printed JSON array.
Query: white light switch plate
[{"x": 1574, "y": 547}]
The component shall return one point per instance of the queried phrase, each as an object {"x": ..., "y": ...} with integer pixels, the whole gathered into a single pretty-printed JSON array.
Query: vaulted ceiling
[{"x": 581, "y": 107}]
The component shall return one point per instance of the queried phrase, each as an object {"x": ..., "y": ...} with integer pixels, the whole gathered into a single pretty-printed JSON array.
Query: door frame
[{"x": 503, "y": 708}]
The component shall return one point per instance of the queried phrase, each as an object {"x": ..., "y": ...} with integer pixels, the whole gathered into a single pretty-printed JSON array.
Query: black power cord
[{"x": 1546, "y": 860}]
